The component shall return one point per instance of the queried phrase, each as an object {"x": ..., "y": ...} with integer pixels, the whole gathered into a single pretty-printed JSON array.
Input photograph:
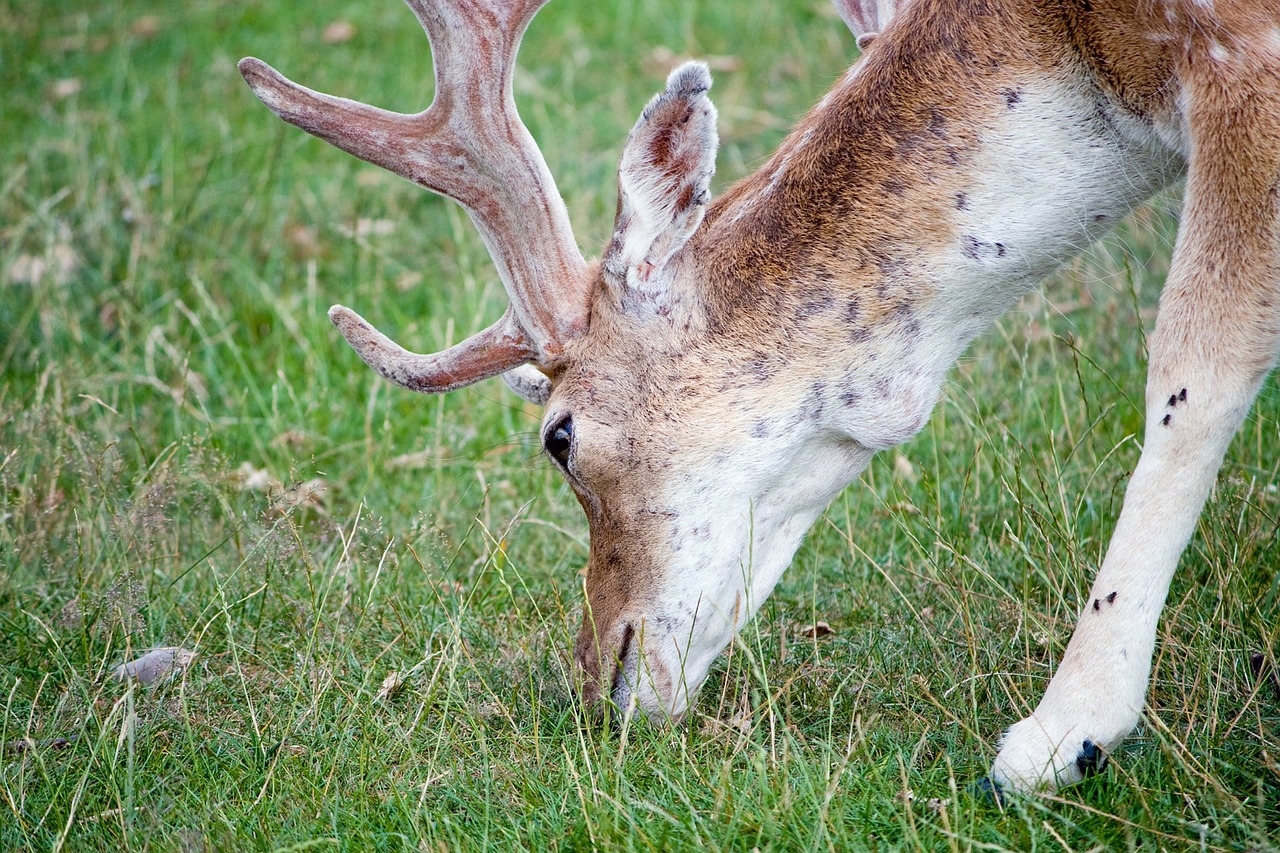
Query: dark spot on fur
[
  {"x": 815, "y": 306},
  {"x": 667, "y": 624},
  {"x": 974, "y": 249},
  {"x": 760, "y": 429},
  {"x": 937, "y": 123},
  {"x": 861, "y": 335},
  {"x": 1090, "y": 759},
  {"x": 759, "y": 367},
  {"x": 990, "y": 790},
  {"x": 906, "y": 318},
  {"x": 1099, "y": 217},
  {"x": 816, "y": 403},
  {"x": 962, "y": 201},
  {"x": 850, "y": 398},
  {"x": 1011, "y": 97},
  {"x": 894, "y": 186},
  {"x": 853, "y": 310},
  {"x": 1165, "y": 421},
  {"x": 891, "y": 268}
]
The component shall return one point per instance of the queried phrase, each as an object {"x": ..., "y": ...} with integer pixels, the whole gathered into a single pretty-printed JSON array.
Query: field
[{"x": 380, "y": 589}]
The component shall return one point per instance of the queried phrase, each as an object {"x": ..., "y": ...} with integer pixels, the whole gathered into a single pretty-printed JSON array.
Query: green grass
[{"x": 167, "y": 250}]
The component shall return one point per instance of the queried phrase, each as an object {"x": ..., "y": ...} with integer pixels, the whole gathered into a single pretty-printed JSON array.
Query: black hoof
[
  {"x": 1090, "y": 760},
  {"x": 990, "y": 790}
]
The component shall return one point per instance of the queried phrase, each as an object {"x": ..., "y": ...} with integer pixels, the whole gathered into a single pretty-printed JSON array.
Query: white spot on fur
[{"x": 1271, "y": 42}]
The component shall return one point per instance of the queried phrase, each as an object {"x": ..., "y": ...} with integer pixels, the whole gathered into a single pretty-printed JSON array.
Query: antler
[{"x": 469, "y": 145}]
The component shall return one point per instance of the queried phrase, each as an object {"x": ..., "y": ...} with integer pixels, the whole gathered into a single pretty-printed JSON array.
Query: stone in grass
[{"x": 155, "y": 665}]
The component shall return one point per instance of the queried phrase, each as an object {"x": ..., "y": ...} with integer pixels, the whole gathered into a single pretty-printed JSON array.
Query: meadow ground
[{"x": 380, "y": 588}]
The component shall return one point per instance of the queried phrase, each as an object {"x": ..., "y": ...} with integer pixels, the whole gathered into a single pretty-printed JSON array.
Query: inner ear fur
[{"x": 664, "y": 179}]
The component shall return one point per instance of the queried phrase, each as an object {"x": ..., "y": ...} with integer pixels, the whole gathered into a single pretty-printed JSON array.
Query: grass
[{"x": 189, "y": 456}]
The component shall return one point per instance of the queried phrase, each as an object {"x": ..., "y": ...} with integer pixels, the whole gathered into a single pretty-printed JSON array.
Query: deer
[{"x": 726, "y": 366}]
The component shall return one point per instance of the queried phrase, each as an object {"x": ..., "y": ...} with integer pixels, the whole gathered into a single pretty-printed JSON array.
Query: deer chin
[{"x": 650, "y": 652}]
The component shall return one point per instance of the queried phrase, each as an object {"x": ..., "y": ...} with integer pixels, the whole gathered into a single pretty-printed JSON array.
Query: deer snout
[{"x": 619, "y": 675}]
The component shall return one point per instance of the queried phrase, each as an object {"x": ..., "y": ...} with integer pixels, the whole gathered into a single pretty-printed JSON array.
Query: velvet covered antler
[{"x": 471, "y": 146}]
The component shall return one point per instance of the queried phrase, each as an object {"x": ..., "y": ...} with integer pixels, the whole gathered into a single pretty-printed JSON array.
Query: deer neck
[{"x": 931, "y": 188}]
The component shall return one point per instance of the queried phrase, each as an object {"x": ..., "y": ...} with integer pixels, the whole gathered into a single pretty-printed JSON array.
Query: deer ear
[
  {"x": 867, "y": 17},
  {"x": 529, "y": 383},
  {"x": 664, "y": 180}
]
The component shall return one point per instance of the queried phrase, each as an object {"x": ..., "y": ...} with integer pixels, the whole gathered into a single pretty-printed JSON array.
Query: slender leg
[{"x": 1215, "y": 340}]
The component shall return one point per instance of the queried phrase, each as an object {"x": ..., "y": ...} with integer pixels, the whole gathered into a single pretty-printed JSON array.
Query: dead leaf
[
  {"x": 662, "y": 61},
  {"x": 57, "y": 264},
  {"x": 926, "y": 613},
  {"x": 252, "y": 479},
  {"x": 414, "y": 460},
  {"x": 740, "y": 723},
  {"x": 109, "y": 317},
  {"x": 53, "y": 500},
  {"x": 303, "y": 241},
  {"x": 408, "y": 281},
  {"x": 65, "y": 88},
  {"x": 374, "y": 178},
  {"x": 817, "y": 630},
  {"x": 903, "y": 469},
  {"x": 154, "y": 665},
  {"x": 26, "y": 744},
  {"x": 308, "y": 495},
  {"x": 338, "y": 32},
  {"x": 374, "y": 227},
  {"x": 290, "y": 438},
  {"x": 391, "y": 685},
  {"x": 145, "y": 27}
]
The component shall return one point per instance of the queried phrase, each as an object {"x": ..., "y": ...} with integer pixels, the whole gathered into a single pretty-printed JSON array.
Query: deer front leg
[
  {"x": 1096, "y": 695},
  {"x": 1215, "y": 341}
]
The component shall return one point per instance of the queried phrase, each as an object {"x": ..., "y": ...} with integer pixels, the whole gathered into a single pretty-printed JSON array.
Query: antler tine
[
  {"x": 497, "y": 349},
  {"x": 470, "y": 145}
]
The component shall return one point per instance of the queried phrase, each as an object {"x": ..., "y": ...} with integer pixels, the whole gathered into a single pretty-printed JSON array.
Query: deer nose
[
  {"x": 608, "y": 666},
  {"x": 627, "y": 668}
]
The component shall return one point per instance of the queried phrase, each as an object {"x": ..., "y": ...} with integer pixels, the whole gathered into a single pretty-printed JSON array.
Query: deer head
[{"x": 699, "y": 463}]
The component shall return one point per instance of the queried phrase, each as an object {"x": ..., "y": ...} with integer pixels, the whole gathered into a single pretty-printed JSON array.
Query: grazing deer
[{"x": 725, "y": 368}]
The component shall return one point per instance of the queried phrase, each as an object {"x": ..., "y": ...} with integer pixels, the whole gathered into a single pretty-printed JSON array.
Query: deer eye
[{"x": 559, "y": 440}]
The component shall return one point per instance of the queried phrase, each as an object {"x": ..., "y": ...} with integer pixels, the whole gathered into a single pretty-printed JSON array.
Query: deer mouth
[
  {"x": 626, "y": 668},
  {"x": 625, "y": 678}
]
